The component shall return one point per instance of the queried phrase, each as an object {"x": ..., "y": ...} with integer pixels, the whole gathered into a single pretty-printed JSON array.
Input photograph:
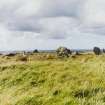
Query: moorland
[{"x": 45, "y": 79}]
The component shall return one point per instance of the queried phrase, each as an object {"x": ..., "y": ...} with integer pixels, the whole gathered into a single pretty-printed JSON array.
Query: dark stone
[
  {"x": 97, "y": 50},
  {"x": 35, "y": 51},
  {"x": 103, "y": 50},
  {"x": 63, "y": 52}
]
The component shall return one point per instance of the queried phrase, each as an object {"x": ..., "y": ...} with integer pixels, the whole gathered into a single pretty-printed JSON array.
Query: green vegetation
[{"x": 78, "y": 80}]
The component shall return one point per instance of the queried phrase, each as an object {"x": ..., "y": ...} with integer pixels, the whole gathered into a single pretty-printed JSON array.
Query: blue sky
[{"x": 48, "y": 24}]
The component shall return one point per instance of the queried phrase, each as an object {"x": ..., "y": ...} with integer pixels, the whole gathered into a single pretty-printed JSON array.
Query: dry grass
[{"x": 52, "y": 81}]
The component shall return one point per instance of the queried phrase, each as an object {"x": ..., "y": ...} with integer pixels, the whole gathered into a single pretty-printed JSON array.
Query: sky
[{"x": 48, "y": 24}]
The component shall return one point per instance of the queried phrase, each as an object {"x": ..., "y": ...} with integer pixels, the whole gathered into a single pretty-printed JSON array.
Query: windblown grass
[{"x": 72, "y": 81}]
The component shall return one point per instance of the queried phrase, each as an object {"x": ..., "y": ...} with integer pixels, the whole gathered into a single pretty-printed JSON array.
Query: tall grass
[{"x": 72, "y": 81}]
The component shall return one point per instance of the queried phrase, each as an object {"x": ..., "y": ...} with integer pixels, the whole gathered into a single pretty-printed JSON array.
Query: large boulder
[
  {"x": 63, "y": 52},
  {"x": 35, "y": 51},
  {"x": 103, "y": 50},
  {"x": 97, "y": 50}
]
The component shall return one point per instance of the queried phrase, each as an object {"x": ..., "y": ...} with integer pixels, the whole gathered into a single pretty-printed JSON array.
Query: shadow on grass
[{"x": 87, "y": 93}]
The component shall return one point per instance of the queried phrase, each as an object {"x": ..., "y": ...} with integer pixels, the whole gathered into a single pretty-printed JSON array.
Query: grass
[{"x": 40, "y": 81}]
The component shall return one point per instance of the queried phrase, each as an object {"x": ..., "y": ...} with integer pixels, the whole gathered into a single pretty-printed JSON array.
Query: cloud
[
  {"x": 93, "y": 12},
  {"x": 69, "y": 8},
  {"x": 31, "y": 21},
  {"x": 58, "y": 28},
  {"x": 92, "y": 17}
]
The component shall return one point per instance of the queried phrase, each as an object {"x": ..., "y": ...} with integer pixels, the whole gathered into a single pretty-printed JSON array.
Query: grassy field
[{"x": 47, "y": 80}]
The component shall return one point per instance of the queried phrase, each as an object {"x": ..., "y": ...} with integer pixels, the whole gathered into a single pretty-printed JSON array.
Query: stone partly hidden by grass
[{"x": 71, "y": 81}]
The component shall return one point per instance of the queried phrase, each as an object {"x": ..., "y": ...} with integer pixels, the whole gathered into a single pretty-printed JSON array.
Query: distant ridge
[{"x": 43, "y": 51}]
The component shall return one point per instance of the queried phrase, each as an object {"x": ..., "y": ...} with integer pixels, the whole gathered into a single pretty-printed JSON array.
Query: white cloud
[
  {"x": 58, "y": 27},
  {"x": 94, "y": 12},
  {"x": 29, "y": 23}
]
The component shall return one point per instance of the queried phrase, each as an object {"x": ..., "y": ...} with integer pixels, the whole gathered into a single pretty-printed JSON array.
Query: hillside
[{"x": 71, "y": 81}]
